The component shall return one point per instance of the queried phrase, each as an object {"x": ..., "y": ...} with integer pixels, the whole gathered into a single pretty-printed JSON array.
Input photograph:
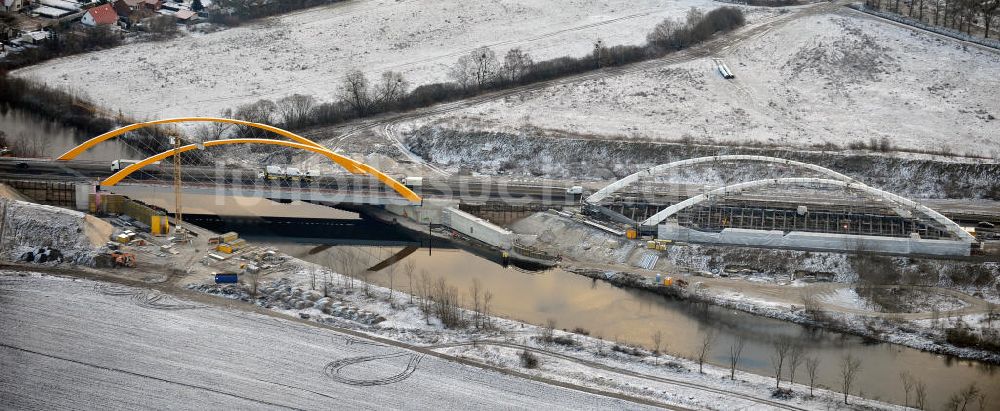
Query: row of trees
[
  {"x": 969, "y": 16},
  {"x": 787, "y": 357},
  {"x": 434, "y": 297},
  {"x": 480, "y": 71}
]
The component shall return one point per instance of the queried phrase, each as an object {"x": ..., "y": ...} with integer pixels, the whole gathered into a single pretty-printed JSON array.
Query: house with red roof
[{"x": 102, "y": 15}]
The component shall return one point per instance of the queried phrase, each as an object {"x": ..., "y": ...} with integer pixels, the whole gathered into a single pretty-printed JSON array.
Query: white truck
[
  {"x": 293, "y": 174},
  {"x": 272, "y": 173},
  {"x": 575, "y": 190},
  {"x": 123, "y": 163}
]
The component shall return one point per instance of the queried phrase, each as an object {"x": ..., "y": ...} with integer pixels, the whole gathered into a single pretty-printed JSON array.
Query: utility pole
[{"x": 177, "y": 185}]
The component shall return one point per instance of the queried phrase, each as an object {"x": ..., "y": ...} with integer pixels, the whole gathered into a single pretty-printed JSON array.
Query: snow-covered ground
[
  {"x": 29, "y": 227},
  {"x": 75, "y": 344},
  {"x": 308, "y": 52},
  {"x": 831, "y": 78}
]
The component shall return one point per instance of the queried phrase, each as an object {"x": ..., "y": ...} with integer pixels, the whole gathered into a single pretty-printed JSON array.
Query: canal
[{"x": 630, "y": 316}]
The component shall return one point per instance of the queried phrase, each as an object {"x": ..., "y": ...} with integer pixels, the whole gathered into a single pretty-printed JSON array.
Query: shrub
[{"x": 528, "y": 359}]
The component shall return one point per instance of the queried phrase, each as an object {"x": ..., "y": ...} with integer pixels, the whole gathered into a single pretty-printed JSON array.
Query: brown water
[
  {"x": 50, "y": 139},
  {"x": 633, "y": 316}
]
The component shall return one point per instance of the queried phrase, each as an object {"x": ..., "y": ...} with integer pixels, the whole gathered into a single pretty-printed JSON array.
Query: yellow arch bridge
[{"x": 298, "y": 142}]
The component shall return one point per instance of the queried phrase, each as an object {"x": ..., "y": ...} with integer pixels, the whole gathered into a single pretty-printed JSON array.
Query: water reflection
[{"x": 33, "y": 133}]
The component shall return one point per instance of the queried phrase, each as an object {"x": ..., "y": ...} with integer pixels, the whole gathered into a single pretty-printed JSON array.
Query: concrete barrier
[
  {"x": 477, "y": 228},
  {"x": 815, "y": 241}
]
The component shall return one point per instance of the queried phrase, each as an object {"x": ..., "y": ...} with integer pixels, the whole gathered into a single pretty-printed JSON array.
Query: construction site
[{"x": 613, "y": 205}]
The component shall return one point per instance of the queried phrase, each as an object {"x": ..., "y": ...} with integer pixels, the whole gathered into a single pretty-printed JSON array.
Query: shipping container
[{"x": 226, "y": 278}]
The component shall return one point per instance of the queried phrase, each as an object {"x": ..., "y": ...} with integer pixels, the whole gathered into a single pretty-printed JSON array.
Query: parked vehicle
[
  {"x": 575, "y": 190},
  {"x": 123, "y": 163},
  {"x": 283, "y": 174}
]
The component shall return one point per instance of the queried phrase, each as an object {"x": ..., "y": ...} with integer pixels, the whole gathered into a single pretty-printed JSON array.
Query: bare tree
[
  {"x": 920, "y": 389},
  {"x": 408, "y": 268},
  {"x": 354, "y": 90},
  {"x": 735, "y": 351},
  {"x": 295, "y": 109},
  {"x": 478, "y": 69},
  {"x": 795, "y": 357},
  {"x": 811, "y": 304},
  {"x": 780, "y": 352},
  {"x": 391, "y": 89},
  {"x": 988, "y": 8},
  {"x": 657, "y": 340},
  {"x": 964, "y": 397},
  {"x": 425, "y": 291},
  {"x": 366, "y": 284},
  {"x": 812, "y": 368},
  {"x": 213, "y": 130},
  {"x": 703, "y": 349},
  {"x": 161, "y": 26},
  {"x": 390, "y": 272},
  {"x": 487, "y": 300},
  {"x": 516, "y": 63},
  {"x": 474, "y": 291},
  {"x": 344, "y": 261},
  {"x": 326, "y": 283},
  {"x": 312, "y": 277},
  {"x": 908, "y": 381},
  {"x": 849, "y": 368},
  {"x": 549, "y": 330},
  {"x": 258, "y": 112},
  {"x": 663, "y": 33}
]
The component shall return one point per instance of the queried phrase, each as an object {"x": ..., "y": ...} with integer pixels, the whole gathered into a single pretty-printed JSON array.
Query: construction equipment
[
  {"x": 224, "y": 238},
  {"x": 232, "y": 246},
  {"x": 658, "y": 244},
  {"x": 123, "y": 259}
]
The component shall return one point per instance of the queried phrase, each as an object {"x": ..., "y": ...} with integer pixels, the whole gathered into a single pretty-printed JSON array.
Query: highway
[{"x": 466, "y": 189}]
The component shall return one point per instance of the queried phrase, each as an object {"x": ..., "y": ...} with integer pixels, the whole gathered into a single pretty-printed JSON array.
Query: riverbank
[
  {"x": 564, "y": 356},
  {"x": 762, "y": 282}
]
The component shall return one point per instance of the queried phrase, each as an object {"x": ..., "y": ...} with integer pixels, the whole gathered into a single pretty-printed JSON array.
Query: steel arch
[
  {"x": 950, "y": 225},
  {"x": 86, "y": 145},
  {"x": 659, "y": 169}
]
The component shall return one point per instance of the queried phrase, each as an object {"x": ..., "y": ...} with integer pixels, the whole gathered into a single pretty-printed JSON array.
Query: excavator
[{"x": 123, "y": 259}]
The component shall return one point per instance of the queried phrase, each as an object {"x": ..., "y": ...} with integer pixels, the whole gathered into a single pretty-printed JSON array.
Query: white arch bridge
[{"x": 902, "y": 227}]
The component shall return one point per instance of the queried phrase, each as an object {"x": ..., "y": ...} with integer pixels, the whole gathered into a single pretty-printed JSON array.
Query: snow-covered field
[
  {"x": 308, "y": 52},
  {"x": 832, "y": 78},
  {"x": 74, "y": 344}
]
